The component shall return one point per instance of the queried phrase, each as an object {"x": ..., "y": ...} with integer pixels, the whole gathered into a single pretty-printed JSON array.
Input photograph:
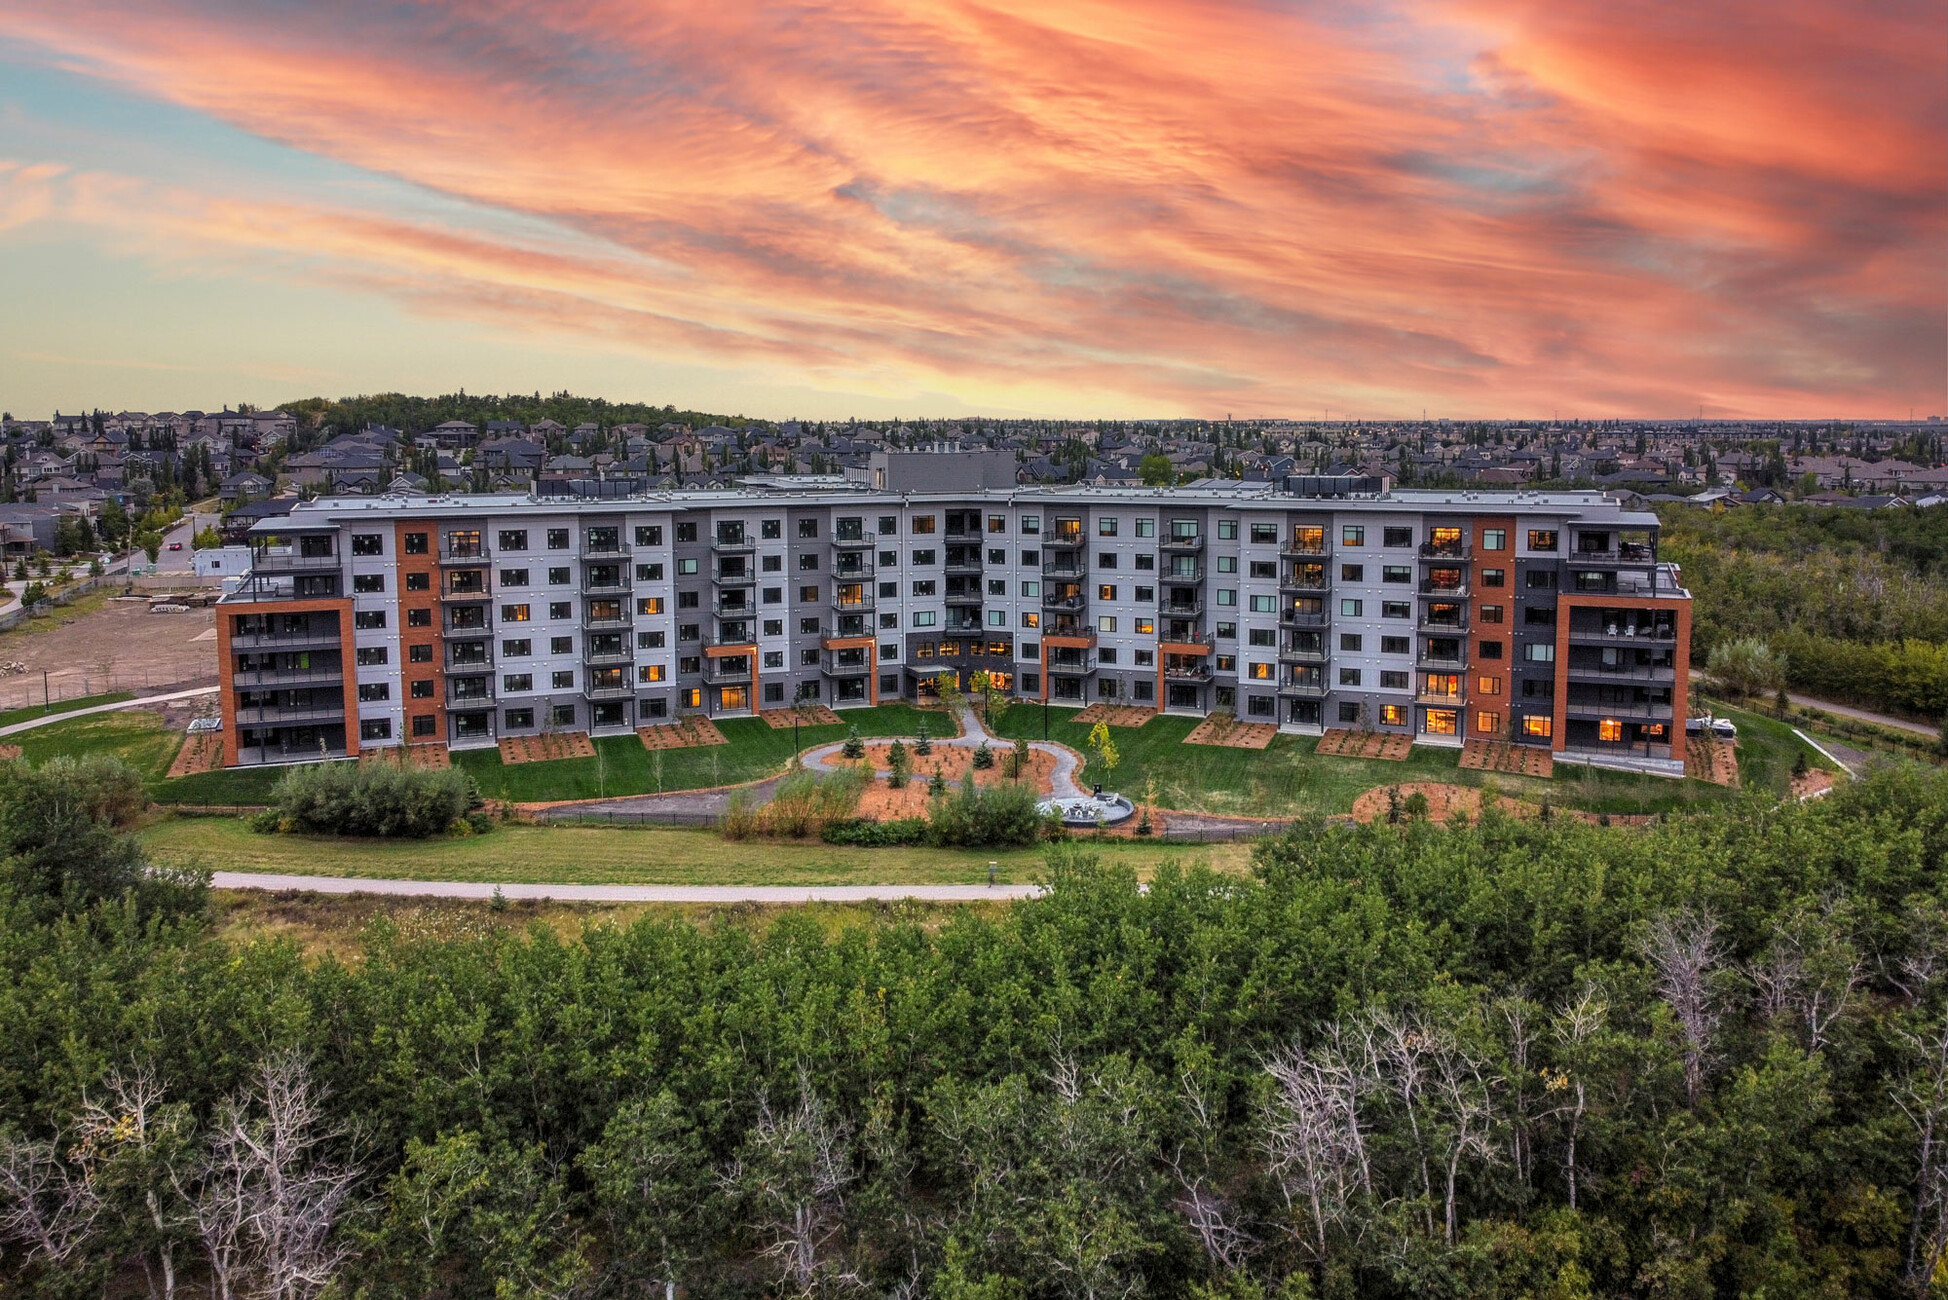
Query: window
[
  {"x": 517, "y": 681},
  {"x": 1227, "y": 596},
  {"x": 563, "y": 680},
  {"x": 997, "y": 618},
  {"x": 368, "y": 544},
  {"x": 1396, "y": 609},
  {"x": 888, "y": 525},
  {"x": 1396, "y": 645},
  {"x": 924, "y": 557},
  {"x": 422, "y": 690},
  {"x": 649, "y": 573},
  {"x": 808, "y": 561},
  {"x": 1261, "y": 636},
  {"x": 423, "y": 724},
  {"x": 649, "y": 604},
  {"x": 1263, "y": 534},
  {"x": 1106, "y": 655},
  {"x": 1494, "y": 539},
  {"x": 1227, "y": 564},
  {"x": 1260, "y": 672},
  {"x": 684, "y": 532},
  {"x": 649, "y": 640},
  {"x": 1227, "y": 631},
  {"x": 1145, "y": 627},
  {"x": 1393, "y": 715},
  {"x": 419, "y": 618},
  {"x": 925, "y": 587},
  {"x": 1394, "y": 680},
  {"x": 924, "y": 618},
  {"x": 514, "y": 613},
  {"x": 375, "y": 729},
  {"x": 1106, "y": 527},
  {"x": 1106, "y": 591},
  {"x": 558, "y": 577},
  {"x": 1227, "y": 530},
  {"x": 1352, "y": 573},
  {"x": 1349, "y": 640},
  {"x": 1144, "y": 595},
  {"x": 1491, "y": 613},
  {"x": 1609, "y": 729},
  {"x": 654, "y": 672},
  {"x": 1349, "y": 711},
  {"x": 516, "y": 647},
  {"x": 1542, "y": 539},
  {"x": 1352, "y": 535},
  {"x": 415, "y": 544},
  {"x": 688, "y": 632},
  {"x": 1491, "y": 649},
  {"x": 419, "y": 654},
  {"x": 1396, "y": 573},
  {"x": 1488, "y": 686},
  {"x": 1539, "y": 615},
  {"x": 686, "y": 568},
  {"x": 888, "y": 650},
  {"x": 519, "y": 719},
  {"x": 1487, "y": 722},
  {"x": 1263, "y": 604},
  {"x": 558, "y": 539},
  {"x": 1106, "y": 560},
  {"x": 1396, "y": 537},
  {"x": 1106, "y": 623},
  {"x": 369, "y": 620},
  {"x": 1538, "y": 724},
  {"x": 649, "y": 534},
  {"x": 923, "y": 526},
  {"x": 1349, "y": 677},
  {"x": 1539, "y": 652},
  {"x": 414, "y": 582},
  {"x": 1031, "y": 525},
  {"x": 889, "y": 590},
  {"x": 514, "y": 577},
  {"x": 807, "y": 528},
  {"x": 1494, "y": 577},
  {"x": 562, "y": 609},
  {"x": 1031, "y": 559},
  {"x": 1146, "y": 562},
  {"x": 997, "y": 586},
  {"x": 373, "y": 692},
  {"x": 1351, "y": 608},
  {"x": 771, "y": 530},
  {"x": 371, "y": 656},
  {"x": 1542, "y": 580},
  {"x": 563, "y": 715},
  {"x": 889, "y": 621}
]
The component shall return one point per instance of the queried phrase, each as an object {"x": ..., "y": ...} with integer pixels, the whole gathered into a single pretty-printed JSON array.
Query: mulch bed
[
  {"x": 1229, "y": 732},
  {"x": 1444, "y": 800},
  {"x": 1116, "y": 715},
  {"x": 884, "y": 804},
  {"x": 1710, "y": 759},
  {"x": 202, "y": 752},
  {"x": 1388, "y": 745},
  {"x": 805, "y": 715},
  {"x": 426, "y": 758},
  {"x": 686, "y": 733},
  {"x": 1502, "y": 756},
  {"x": 1816, "y": 781},
  {"x": 9, "y": 752},
  {"x": 546, "y": 747}
]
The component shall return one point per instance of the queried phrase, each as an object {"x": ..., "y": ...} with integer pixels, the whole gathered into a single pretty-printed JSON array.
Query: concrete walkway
[
  {"x": 972, "y": 735},
  {"x": 776, "y": 894},
  {"x": 52, "y": 718}
]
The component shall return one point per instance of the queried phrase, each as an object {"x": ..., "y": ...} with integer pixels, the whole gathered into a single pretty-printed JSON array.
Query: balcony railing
[
  {"x": 610, "y": 658},
  {"x": 1442, "y": 626},
  {"x": 859, "y": 543},
  {"x": 1181, "y": 608},
  {"x": 727, "y": 669},
  {"x": 618, "y": 584},
  {"x": 733, "y": 545},
  {"x": 1182, "y": 545},
  {"x": 1658, "y": 673},
  {"x": 1064, "y": 541},
  {"x": 1310, "y": 655},
  {"x": 840, "y": 663},
  {"x": 1308, "y": 688},
  {"x": 1305, "y": 618},
  {"x": 1063, "y": 571},
  {"x": 261, "y": 713},
  {"x": 1598, "y": 709},
  {"x": 1294, "y": 550},
  {"x": 1199, "y": 671},
  {"x": 284, "y": 559},
  {"x": 1051, "y": 600},
  {"x": 277, "y": 678},
  {"x": 592, "y": 619},
  {"x": 744, "y": 579},
  {"x": 611, "y": 691},
  {"x": 1079, "y": 667},
  {"x": 468, "y": 633},
  {"x": 1449, "y": 590},
  {"x": 1442, "y": 660},
  {"x": 456, "y": 595},
  {"x": 1301, "y": 583},
  {"x": 1445, "y": 551},
  {"x": 463, "y": 556},
  {"x": 1617, "y": 635},
  {"x": 733, "y": 609},
  {"x": 853, "y": 604},
  {"x": 617, "y": 550},
  {"x": 964, "y": 598},
  {"x": 311, "y": 640}
]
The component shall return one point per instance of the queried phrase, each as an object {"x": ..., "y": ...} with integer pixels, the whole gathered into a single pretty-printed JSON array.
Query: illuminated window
[
  {"x": 1146, "y": 627},
  {"x": 1442, "y": 722},
  {"x": 650, "y": 672},
  {"x": 693, "y": 698},
  {"x": 650, "y": 605},
  {"x": 1261, "y": 672},
  {"x": 1393, "y": 715},
  {"x": 514, "y": 613},
  {"x": 1609, "y": 729},
  {"x": 1534, "y": 724},
  {"x": 1488, "y": 686},
  {"x": 1487, "y": 723}
]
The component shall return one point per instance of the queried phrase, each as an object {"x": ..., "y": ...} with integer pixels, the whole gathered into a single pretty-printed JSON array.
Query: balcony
[
  {"x": 286, "y": 559},
  {"x": 593, "y": 620},
  {"x": 727, "y": 670},
  {"x": 609, "y": 658},
  {"x": 1073, "y": 632},
  {"x": 1305, "y": 619},
  {"x": 1189, "y": 636},
  {"x": 1296, "y": 550},
  {"x": 610, "y": 690},
  {"x": 608, "y": 587},
  {"x": 314, "y": 639},
  {"x": 1625, "y": 553},
  {"x": 1305, "y": 584},
  {"x": 733, "y": 608},
  {"x": 1650, "y": 711},
  {"x": 461, "y": 658},
  {"x": 1071, "y": 602},
  {"x": 1182, "y": 545},
  {"x": 280, "y": 678},
  {"x": 1441, "y": 699},
  {"x": 1445, "y": 551},
  {"x": 290, "y": 713},
  {"x": 1191, "y": 670},
  {"x": 743, "y": 579},
  {"x": 1442, "y": 626},
  {"x": 605, "y": 550},
  {"x": 964, "y": 568},
  {"x": 847, "y": 542},
  {"x": 1290, "y": 654},
  {"x": 458, "y": 633},
  {"x": 1181, "y": 608},
  {"x": 852, "y": 572},
  {"x": 960, "y": 620},
  {"x": 1658, "y": 674},
  {"x": 463, "y": 556},
  {"x": 465, "y": 595},
  {"x": 1068, "y": 569},
  {"x": 846, "y": 663},
  {"x": 973, "y": 598},
  {"x": 1071, "y": 666},
  {"x": 1621, "y": 634},
  {"x": 1305, "y": 688},
  {"x": 860, "y": 604},
  {"x": 1064, "y": 541},
  {"x": 1430, "y": 590},
  {"x": 740, "y": 544},
  {"x": 1439, "y": 661}
]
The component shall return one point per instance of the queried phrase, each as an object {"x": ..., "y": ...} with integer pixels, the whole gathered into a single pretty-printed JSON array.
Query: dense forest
[
  {"x": 1855, "y": 600},
  {"x": 411, "y": 414},
  {"x": 1524, "y": 1058}
]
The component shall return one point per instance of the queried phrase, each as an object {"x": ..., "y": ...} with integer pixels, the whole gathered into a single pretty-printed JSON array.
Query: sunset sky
[{"x": 1127, "y": 208}]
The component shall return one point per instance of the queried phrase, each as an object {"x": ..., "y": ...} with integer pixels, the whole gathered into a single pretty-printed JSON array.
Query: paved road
[
  {"x": 626, "y": 893},
  {"x": 1848, "y": 711},
  {"x": 52, "y": 718}
]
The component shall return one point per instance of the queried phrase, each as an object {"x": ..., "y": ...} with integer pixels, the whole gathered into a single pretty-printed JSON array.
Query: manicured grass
[
  {"x": 1767, "y": 748},
  {"x": 28, "y": 714},
  {"x": 1287, "y": 779},
  {"x": 622, "y": 766},
  {"x": 602, "y": 855},
  {"x": 136, "y": 737},
  {"x": 230, "y": 785}
]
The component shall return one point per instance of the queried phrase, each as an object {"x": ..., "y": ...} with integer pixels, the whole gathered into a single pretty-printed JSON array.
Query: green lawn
[
  {"x": 601, "y": 855},
  {"x": 28, "y": 714},
  {"x": 134, "y": 736},
  {"x": 1287, "y": 778},
  {"x": 622, "y": 766}
]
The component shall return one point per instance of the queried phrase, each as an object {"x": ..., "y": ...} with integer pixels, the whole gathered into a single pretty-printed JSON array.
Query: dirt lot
[{"x": 118, "y": 646}]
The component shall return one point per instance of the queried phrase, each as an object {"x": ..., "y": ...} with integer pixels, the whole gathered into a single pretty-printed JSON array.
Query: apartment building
[{"x": 1544, "y": 618}]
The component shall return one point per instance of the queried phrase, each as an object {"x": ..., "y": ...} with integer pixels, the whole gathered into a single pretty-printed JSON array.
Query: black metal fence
[{"x": 644, "y": 817}]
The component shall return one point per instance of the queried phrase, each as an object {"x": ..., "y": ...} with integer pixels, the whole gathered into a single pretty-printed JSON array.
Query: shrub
[
  {"x": 381, "y": 800},
  {"x": 853, "y": 747},
  {"x": 936, "y": 784},
  {"x": 803, "y": 804},
  {"x": 1018, "y": 760},
  {"x": 898, "y": 767},
  {"x": 978, "y": 817},
  {"x": 865, "y": 833},
  {"x": 1747, "y": 666},
  {"x": 923, "y": 743},
  {"x": 983, "y": 756}
]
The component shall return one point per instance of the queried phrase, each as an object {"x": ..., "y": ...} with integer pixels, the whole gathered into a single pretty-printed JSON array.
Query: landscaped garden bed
[
  {"x": 1503, "y": 756},
  {"x": 546, "y": 747},
  {"x": 685, "y": 733},
  {"x": 1388, "y": 746}
]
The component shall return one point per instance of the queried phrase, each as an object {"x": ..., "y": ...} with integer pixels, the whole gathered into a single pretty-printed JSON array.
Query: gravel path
[
  {"x": 686, "y": 803},
  {"x": 780, "y": 894},
  {"x": 142, "y": 703}
]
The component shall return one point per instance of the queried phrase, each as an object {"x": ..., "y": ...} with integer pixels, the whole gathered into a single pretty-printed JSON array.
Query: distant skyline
[{"x": 1480, "y": 208}]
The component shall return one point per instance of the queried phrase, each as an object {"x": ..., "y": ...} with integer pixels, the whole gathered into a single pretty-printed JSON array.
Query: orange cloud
[{"x": 1479, "y": 207}]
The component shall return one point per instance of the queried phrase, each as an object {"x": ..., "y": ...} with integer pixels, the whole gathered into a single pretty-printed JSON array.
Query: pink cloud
[{"x": 1479, "y": 207}]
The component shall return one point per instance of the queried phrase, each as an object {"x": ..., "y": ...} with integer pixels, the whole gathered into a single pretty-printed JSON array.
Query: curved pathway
[
  {"x": 973, "y": 734},
  {"x": 143, "y": 702},
  {"x": 777, "y": 894}
]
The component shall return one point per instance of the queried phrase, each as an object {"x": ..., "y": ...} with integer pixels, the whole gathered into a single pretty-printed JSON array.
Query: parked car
[
  {"x": 175, "y": 546},
  {"x": 1722, "y": 728}
]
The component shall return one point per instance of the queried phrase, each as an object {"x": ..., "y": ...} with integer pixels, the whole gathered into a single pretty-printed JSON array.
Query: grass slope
[
  {"x": 600, "y": 855},
  {"x": 11, "y": 716}
]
